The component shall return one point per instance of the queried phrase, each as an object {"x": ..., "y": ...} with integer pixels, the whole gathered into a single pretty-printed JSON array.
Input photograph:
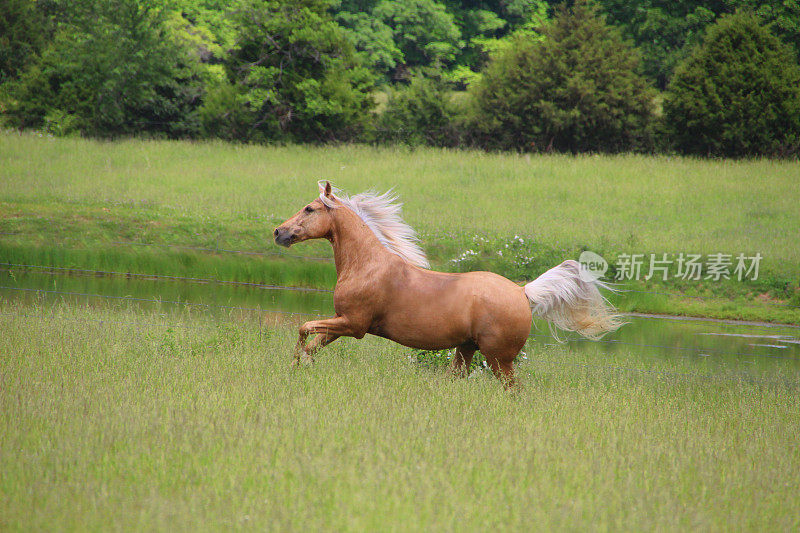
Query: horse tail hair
[{"x": 571, "y": 303}]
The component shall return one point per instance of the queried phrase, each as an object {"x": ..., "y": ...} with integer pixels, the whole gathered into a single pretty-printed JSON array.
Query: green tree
[
  {"x": 112, "y": 68},
  {"x": 24, "y": 30},
  {"x": 783, "y": 18},
  {"x": 665, "y": 30},
  {"x": 448, "y": 38},
  {"x": 296, "y": 73},
  {"x": 737, "y": 94},
  {"x": 373, "y": 39},
  {"x": 662, "y": 30},
  {"x": 485, "y": 24},
  {"x": 575, "y": 90},
  {"x": 423, "y": 30},
  {"x": 525, "y": 18},
  {"x": 212, "y": 20}
]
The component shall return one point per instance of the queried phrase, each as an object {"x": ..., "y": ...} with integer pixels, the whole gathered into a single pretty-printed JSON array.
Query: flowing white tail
[{"x": 568, "y": 302}]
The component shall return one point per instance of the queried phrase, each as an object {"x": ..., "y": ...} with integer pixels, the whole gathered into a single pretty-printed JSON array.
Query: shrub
[
  {"x": 421, "y": 113},
  {"x": 225, "y": 113},
  {"x": 736, "y": 94},
  {"x": 574, "y": 90}
]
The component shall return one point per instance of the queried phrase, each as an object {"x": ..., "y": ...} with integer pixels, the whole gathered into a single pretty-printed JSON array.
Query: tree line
[{"x": 716, "y": 78}]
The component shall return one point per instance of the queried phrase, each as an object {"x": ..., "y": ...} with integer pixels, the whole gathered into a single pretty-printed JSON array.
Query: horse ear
[{"x": 327, "y": 191}]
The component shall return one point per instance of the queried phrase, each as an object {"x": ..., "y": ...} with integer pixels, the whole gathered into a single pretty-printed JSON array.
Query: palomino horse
[{"x": 383, "y": 287}]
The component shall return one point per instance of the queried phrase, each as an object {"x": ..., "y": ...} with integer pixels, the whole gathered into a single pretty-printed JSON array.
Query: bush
[
  {"x": 736, "y": 94},
  {"x": 225, "y": 113},
  {"x": 421, "y": 113},
  {"x": 574, "y": 90}
]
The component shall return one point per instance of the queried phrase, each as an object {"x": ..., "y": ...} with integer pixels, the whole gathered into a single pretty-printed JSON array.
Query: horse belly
[{"x": 427, "y": 323}]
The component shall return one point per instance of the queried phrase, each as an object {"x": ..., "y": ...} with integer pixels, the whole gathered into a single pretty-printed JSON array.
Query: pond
[{"x": 702, "y": 342}]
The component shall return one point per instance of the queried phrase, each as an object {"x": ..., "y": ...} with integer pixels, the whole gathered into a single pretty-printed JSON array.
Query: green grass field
[
  {"x": 114, "y": 418},
  {"x": 75, "y": 203}
]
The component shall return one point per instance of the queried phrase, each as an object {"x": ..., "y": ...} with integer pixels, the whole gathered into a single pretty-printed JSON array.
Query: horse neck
[{"x": 354, "y": 244}]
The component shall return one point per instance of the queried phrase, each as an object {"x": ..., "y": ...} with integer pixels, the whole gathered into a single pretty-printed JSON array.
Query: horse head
[{"x": 314, "y": 221}]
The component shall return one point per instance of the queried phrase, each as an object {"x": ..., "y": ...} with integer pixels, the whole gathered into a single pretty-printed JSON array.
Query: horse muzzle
[{"x": 284, "y": 237}]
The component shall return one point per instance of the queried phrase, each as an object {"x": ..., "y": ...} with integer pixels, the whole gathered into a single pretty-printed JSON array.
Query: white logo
[{"x": 593, "y": 267}]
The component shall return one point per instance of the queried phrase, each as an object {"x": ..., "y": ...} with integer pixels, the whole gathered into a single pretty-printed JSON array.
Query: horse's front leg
[{"x": 328, "y": 330}]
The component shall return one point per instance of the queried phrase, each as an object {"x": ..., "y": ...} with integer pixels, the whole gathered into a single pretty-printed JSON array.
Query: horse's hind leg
[
  {"x": 500, "y": 356},
  {"x": 462, "y": 360},
  {"x": 502, "y": 369}
]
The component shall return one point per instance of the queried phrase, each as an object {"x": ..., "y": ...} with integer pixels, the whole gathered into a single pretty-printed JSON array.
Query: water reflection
[{"x": 216, "y": 298}]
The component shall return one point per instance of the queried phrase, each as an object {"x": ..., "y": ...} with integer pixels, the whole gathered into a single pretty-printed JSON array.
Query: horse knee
[{"x": 304, "y": 330}]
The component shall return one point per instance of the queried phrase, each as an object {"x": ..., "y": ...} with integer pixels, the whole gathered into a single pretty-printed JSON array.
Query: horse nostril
[{"x": 276, "y": 232}]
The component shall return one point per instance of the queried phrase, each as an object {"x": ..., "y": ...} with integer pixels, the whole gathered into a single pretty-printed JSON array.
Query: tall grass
[{"x": 115, "y": 418}]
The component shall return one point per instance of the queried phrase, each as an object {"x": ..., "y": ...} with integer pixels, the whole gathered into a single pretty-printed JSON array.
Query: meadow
[
  {"x": 114, "y": 417},
  {"x": 92, "y": 204}
]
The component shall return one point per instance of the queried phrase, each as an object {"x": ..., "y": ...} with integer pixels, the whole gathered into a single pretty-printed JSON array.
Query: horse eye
[{"x": 309, "y": 209}]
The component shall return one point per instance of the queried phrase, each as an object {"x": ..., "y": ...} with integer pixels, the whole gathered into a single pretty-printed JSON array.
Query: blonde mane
[{"x": 381, "y": 214}]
